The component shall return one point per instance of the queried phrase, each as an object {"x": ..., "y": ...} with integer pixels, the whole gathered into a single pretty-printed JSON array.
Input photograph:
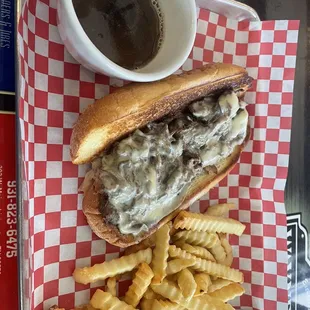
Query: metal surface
[{"x": 229, "y": 8}]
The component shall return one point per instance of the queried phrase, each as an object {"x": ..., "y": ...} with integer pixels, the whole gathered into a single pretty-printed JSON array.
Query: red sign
[{"x": 8, "y": 231}]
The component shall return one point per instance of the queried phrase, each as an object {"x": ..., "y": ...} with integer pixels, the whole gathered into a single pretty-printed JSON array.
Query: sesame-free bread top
[{"x": 133, "y": 106}]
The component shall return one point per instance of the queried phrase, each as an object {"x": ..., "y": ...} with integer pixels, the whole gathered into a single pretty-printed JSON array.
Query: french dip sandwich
[{"x": 155, "y": 148}]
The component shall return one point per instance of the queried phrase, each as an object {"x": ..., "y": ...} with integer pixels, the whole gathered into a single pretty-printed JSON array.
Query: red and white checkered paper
[{"x": 55, "y": 89}]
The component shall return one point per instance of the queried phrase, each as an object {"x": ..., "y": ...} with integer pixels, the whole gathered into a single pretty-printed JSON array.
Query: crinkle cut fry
[
  {"x": 228, "y": 249},
  {"x": 170, "y": 291},
  {"x": 207, "y": 223},
  {"x": 218, "y": 252},
  {"x": 178, "y": 264},
  {"x": 105, "y": 301},
  {"x": 144, "y": 244},
  {"x": 165, "y": 305},
  {"x": 203, "y": 281},
  {"x": 209, "y": 267},
  {"x": 187, "y": 283},
  {"x": 150, "y": 294},
  {"x": 228, "y": 292},
  {"x": 140, "y": 283},
  {"x": 218, "y": 284},
  {"x": 111, "y": 286},
  {"x": 197, "y": 251},
  {"x": 220, "y": 209},
  {"x": 203, "y": 239},
  {"x": 146, "y": 304},
  {"x": 160, "y": 254}
]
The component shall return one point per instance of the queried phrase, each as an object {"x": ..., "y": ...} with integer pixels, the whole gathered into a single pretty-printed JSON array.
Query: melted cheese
[{"x": 147, "y": 174}]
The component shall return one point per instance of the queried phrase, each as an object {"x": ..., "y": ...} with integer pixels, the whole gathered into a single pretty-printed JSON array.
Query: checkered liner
[{"x": 55, "y": 89}]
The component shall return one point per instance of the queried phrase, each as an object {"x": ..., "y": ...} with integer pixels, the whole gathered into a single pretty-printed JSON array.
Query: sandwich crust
[
  {"x": 137, "y": 104},
  {"x": 134, "y": 106}
]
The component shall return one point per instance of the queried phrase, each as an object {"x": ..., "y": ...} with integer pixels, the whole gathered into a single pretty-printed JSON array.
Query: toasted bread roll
[{"x": 108, "y": 120}]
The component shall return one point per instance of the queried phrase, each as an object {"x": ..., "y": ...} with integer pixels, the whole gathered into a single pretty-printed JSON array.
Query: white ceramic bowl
[{"x": 179, "y": 35}]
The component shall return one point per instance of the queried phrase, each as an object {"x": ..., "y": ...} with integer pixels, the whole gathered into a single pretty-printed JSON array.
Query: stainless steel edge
[{"x": 229, "y": 8}]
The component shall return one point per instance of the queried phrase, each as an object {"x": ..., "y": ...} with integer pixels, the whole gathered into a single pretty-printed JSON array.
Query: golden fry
[
  {"x": 172, "y": 277},
  {"x": 207, "y": 223},
  {"x": 197, "y": 276},
  {"x": 176, "y": 265},
  {"x": 105, "y": 301},
  {"x": 176, "y": 252},
  {"x": 150, "y": 294},
  {"x": 203, "y": 239},
  {"x": 220, "y": 271},
  {"x": 165, "y": 305},
  {"x": 112, "y": 268},
  {"x": 203, "y": 281},
  {"x": 228, "y": 292},
  {"x": 170, "y": 291},
  {"x": 146, "y": 304},
  {"x": 197, "y": 251},
  {"x": 227, "y": 247},
  {"x": 149, "y": 242},
  {"x": 207, "y": 302},
  {"x": 139, "y": 285},
  {"x": 111, "y": 286},
  {"x": 160, "y": 254},
  {"x": 187, "y": 283},
  {"x": 220, "y": 210},
  {"x": 218, "y": 252},
  {"x": 144, "y": 244},
  {"x": 198, "y": 292},
  {"x": 172, "y": 230},
  {"x": 209, "y": 267},
  {"x": 218, "y": 284}
]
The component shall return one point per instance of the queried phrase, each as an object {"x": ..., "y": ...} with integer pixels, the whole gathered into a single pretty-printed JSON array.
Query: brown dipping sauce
[{"x": 128, "y": 32}]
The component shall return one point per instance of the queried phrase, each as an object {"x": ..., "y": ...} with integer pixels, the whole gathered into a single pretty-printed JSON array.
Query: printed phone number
[{"x": 11, "y": 242}]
